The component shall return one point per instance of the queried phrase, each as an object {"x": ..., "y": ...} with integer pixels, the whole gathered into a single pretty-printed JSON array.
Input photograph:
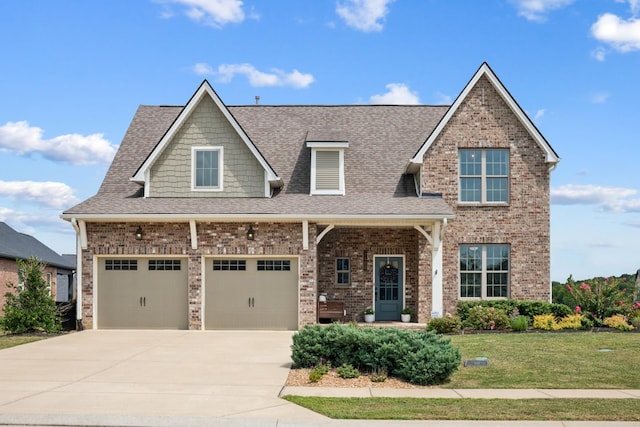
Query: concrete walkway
[{"x": 194, "y": 378}]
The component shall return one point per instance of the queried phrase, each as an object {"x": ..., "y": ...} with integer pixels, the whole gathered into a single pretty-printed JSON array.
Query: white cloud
[
  {"x": 539, "y": 114},
  {"x": 52, "y": 194},
  {"x": 537, "y": 10},
  {"x": 599, "y": 54},
  {"x": 599, "y": 97},
  {"x": 616, "y": 199},
  {"x": 364, "y": 15},
  {"x": 442, "y": 99},
  {"x": 226, "y": 72},
  {"x": 623, "y": 35},
  {"x": 398, "y": 93},
  {"x": 214, "y": 13},
  {"x": 76, "y": 149},
  {"x": 634, "y": 5}
]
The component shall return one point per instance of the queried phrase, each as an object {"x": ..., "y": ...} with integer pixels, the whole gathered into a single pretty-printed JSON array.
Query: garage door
[
  {"x": 251, "y": 293},
  {"x": 143, "y": 293}
]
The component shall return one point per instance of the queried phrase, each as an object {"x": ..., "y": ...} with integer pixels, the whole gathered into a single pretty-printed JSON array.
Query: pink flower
[
  {"x": 619, "y": 302},
  {"x": 585, "y": 287},
  {"x": 638, "y": 304},
  {"x": 578, "y": 309},
  {"x": 568, "y": 288}
]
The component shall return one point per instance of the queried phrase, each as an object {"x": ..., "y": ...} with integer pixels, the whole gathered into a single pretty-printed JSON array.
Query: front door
[{"x": 389, "y": 273}]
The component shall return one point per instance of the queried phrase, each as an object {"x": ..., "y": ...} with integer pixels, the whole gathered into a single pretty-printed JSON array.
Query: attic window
[
  {"x": 327, "y": 167},
  {"x": 206, "y": 168}
]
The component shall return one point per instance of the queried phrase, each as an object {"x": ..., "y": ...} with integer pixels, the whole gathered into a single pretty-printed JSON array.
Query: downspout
[{"x": 76, "y": 227}]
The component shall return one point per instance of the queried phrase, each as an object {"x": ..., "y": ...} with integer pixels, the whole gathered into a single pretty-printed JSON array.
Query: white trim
[
  {"x": 96, "y": 284},
  {"x": 83, "y": 233},
  {"x": 194, "y": 234},
  {"x": 194, "y": 152},
  {"x": 78, "y": 275},
  {"x": 203, "y": 287},
  {"x": 205, "y": 89},
  {"x": 484, "y": 70},
  {"x": 340, "y": 190},
  {"x": 305, "y": 235},
  {"x": 328, "y": 144},
  {"x": 324, "y": 232}
]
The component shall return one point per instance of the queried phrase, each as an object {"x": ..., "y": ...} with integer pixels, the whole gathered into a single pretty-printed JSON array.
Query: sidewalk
[{"x": 443, "y": 393}]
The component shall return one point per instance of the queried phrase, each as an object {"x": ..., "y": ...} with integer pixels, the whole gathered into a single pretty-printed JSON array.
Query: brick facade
[
  {"x": 272, "y": 239},
  {"x": 484, "y": 120},
  {"x": 9, "y": 273}
]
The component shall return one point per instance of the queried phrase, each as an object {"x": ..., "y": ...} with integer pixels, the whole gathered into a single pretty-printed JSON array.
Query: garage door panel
[
  {"x": 142, "y": 293},
  {"x": 251, "y": 294}
]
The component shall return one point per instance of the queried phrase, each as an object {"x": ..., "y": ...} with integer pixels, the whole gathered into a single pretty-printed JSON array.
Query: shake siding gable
[
  {"x": 485, "y": 121},
  {"x": 243, "y": 176}
]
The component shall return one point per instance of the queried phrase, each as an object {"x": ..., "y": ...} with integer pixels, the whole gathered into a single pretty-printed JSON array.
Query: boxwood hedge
[{"x": 416, "y": 356}]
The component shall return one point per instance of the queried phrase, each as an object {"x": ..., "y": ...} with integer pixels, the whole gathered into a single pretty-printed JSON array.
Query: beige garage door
[
  {"x": 251, "y": 293},
  {"x": 143, "y": 293}
]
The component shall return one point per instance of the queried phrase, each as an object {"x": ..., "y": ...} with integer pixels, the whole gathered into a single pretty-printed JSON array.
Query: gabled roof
[
  {"x": 141, "y": 175},
  {"x": 14, "y": 245},
  {"x": 485, "y": 71},
  {"x": 381, "y": 138}
]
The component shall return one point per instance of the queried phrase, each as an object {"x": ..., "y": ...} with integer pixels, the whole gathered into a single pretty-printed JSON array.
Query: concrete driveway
[{"x": 143, "y": 377}]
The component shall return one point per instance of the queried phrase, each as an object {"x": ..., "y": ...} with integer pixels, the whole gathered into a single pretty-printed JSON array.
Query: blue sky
[{"x": 74, "y": 72}]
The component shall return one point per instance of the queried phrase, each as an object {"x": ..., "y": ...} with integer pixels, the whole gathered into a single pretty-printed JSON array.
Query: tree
[{"x": 30, "y": 308}]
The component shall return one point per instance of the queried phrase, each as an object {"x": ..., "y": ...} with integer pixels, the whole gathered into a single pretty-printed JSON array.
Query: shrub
[
  {"x": 378, "y": 375},
  {"x": 419, "y": 357},
  {"x": 546, "y": 322},
  {"x": 601, "y": 297},
  {"x": 635, "y": 322},
  {"x": 515, "y": 308},
  {"x": 572, "y": 321},
  {"x": 445, "y": 325},
  {"x": 619, "y": 322},
  {"x": 520, "y": 323},
  {"x": 347, "y": 371},
  {"x": 30, "y": 308},
  {"x": 486, "y": 318},
  {"x": 319, "y": 371}
]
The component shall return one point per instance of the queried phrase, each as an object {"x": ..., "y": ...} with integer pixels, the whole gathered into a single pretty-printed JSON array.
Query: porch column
[{"x": 436, "y": 271}]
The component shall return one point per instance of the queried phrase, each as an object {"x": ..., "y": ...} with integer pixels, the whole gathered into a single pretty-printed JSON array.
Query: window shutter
[{"x": 327, "y": 170}]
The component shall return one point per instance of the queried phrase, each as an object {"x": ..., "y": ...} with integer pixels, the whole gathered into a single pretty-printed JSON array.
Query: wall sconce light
[
  {"x": 250, "y": 233},
  {"x": 139, "y": 233}
]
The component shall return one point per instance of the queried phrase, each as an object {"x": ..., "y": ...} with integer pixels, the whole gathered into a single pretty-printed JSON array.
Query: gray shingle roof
[
  {"x": 381, "y": 139},
  {"x": 15, "y": 245}
]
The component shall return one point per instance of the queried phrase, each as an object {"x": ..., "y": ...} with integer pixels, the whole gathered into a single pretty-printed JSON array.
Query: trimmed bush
[
  {"x": 619, "y": 322},
  {"x": 513, "y": 307},
  {"x": 445, "y": 325},
  {"x": 486, "y": 318},
  {"x": 520, "y": 323},
  {"x": 572, "y": 321},
  {"x": 347, "y": 371},
  {"x": 545, "y": 322},
  {"x": 419, "y": 357}
]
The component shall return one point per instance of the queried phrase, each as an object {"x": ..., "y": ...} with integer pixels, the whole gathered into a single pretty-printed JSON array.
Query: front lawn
[
  {"x": 549, "y": 360},
  {"x": 603, "y": 360},
  {"x": 7, "y": 341}
]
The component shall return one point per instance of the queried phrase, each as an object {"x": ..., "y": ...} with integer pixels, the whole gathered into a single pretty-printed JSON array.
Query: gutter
[{"x": 76, "y": 227}]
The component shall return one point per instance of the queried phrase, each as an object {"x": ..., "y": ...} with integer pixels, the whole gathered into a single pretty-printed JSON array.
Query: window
[
  {"x": 274, "y": 265},
  {"x": 484, "y": 271},
  {"x": 342, "y": 271},
  {"x": 229, "y": 265},
  {"x": 121, "y": 264},
  {"x": 484, "y": 176},
  {"x": 327, "y": 167},
  {"x": 206, "y": 167},
  {"x": 164, "y": 265}
]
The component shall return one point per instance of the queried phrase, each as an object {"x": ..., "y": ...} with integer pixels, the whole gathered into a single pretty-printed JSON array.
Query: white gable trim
[
  {"x": 551, "y": 157},
  {"x": 142, "y": 175}
]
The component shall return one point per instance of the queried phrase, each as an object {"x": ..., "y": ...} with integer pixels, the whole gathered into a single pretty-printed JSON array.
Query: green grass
[
  {"x": 549, "y": 360},
  {"x": 529, "y": 360},
  {"x": 376, "y": 408},
  {"x": 7, "y": 341}
]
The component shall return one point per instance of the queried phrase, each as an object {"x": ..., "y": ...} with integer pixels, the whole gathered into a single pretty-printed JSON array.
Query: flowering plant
[{"x": 601, "y": 297}]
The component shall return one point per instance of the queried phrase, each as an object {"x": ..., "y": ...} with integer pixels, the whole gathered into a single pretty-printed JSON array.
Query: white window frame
[
  {"x": 194, "y": 151},
  {"x": 483, "y": 177},
  {"x": 484, "y": 272},
  {"x": 333, "y": 147}
]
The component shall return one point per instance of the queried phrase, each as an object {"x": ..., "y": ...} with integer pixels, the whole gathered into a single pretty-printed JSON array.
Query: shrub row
[
  {"x": 512, "y": 307},
  {"x": 419, "y": 357}
]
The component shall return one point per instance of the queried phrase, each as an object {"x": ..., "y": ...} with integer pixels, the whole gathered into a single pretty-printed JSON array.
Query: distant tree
[{"x": 29, "y": 307}]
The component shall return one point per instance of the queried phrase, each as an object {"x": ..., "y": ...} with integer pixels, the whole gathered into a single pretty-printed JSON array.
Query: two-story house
[{"x": 240, "y": 217}]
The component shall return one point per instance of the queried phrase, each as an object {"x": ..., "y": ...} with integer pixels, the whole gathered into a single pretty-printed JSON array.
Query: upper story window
[
  {"x": 206, "y": 168},
  {"x": 484, "y": 176},
  {"x": 327, "y": 167}
]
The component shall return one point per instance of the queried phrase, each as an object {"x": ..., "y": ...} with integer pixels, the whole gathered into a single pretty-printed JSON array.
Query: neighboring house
[
  {"x": 59, "y": 271},
  {"x": 224, "y": 217}
]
